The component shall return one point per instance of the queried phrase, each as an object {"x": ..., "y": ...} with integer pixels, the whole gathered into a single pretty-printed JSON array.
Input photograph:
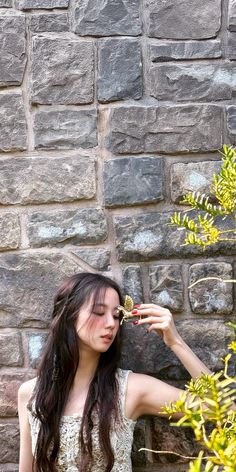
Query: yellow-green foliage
[
  {"x": 203, "y": 229},
  {"x": 209, "y": 401}
]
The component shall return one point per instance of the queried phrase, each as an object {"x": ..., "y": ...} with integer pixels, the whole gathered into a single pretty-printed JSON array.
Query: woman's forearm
[{"x": 191, "y": 362}]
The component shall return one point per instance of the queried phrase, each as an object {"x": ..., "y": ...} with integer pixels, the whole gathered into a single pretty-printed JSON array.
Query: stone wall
[{"x": 109, "y": 112}]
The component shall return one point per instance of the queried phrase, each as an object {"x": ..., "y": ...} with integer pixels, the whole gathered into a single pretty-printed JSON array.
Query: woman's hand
[{"x": 160, "y": 320}]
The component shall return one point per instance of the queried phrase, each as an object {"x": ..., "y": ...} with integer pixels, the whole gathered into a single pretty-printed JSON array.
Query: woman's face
[{"x": 97, "y": 325}]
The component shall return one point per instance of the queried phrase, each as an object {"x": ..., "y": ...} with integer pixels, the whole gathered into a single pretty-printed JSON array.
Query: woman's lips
[{"x": 107, "y": 338}]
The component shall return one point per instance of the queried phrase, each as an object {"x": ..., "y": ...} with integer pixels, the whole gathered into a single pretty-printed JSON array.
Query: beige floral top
[{"x": 121, "y": 438}]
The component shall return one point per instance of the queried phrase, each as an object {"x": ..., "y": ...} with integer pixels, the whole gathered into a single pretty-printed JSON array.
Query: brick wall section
[{"x": 110, "y": 112}]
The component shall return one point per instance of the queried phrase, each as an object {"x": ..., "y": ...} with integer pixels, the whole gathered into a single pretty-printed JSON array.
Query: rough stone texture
[
  {"x": 9, "y": 434},
  {"x": 9, "y": 385},
  {"x": 211, "y": 296},
  {"x": 11, "y": 353},
  {"x": 65, "y": 129},
  {"x": 36, "y": 4},
  {"x": 132, "y": 283},
  {"x": 12, "y": 122},
  {"x": 56, "y": 22},
  {"x": 231, "y": 122},
  {"x": 9, "y": 231},
  {"x": 28, "y": 285},
  {"x": 231, "y": 53},
  {"x": 143, "y": 237},
  {"x": 185, "y": 19},
  {"x": 119, "y": 69},
  {"x": 62, "y": 71},
  {"x": 166, "y": 286},
  {"x": 133, "y": 180},
  {"x": 191, "y": 82},
  {"x": 97, "y": 258},
  {"x": 175, "y": 439},
  {"x": 232, "y": 15},
  {"x": 6, "y": 3},
  {"x": 164, "y": 51},
  {"x": 135, "y": 129},
  {"x": 110, "y": 17},
  {"x": 192, "y": 177},
  {"x": 53, "y": 179},
  {"x": 60, "y": 227},
  {"x": 140, "y": 432},
  {"x": 36, "y": 343},
  {"x": 12, "y": 49},
  {"x": 207, "y": 338}
]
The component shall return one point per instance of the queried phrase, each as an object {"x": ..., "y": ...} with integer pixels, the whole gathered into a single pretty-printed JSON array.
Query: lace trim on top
[{"x": 121, "y": 437}]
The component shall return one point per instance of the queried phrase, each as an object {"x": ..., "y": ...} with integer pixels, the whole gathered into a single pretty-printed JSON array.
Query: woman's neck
[{"x": 88, "y": 362}]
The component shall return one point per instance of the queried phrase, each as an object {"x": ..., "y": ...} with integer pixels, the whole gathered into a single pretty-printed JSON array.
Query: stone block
[
  {"x": 232, "y": 15},
  {"x": 5, "y": 3},
  {"x": 47, "y": 179},
  {"x": 62, "y": 71},
  {"x": 12, "y": 49},
  {"x": 119, "y": 69},
  {"x": 166, "y": 437},
  {"x": 36, "y": 343},
  {"x": 11, "y": 353},
  {"x": 231, "y": 46},
  {"x": 28, "y": 284},
  {"x": 211, "y": 296},
  {"x": 97, "y": 258},
  {"x": 133, "y": 180},
  {"x": 231, "y": 122},
  {"x": 185, "y": 19},
  {"x": 9, "y": 231},
  {"x": 38, "y": 4},
  {"x": 12, "y": 123},
  {"x": 164, "y": 51},
  {"x": 107, "y": 18},
  {"x": 167, "y": 129},
  {"x": 192, "y": 177},
  {"x": 166, "y": 286},
  {"x": 139, "y": 458},
  {"x": 49, "y": 22},
  {"x": 60, "y": 227},
  {"x": 132, "y": 283},
  {"x": 65, "y": 128},
  {"x": 208, "y": 338},
  {"x": 191, "y": 82},
  {"x": 148, "y": 236},
  {"x": 9, "y": 385},
  {"x": 10, "y": 439}
]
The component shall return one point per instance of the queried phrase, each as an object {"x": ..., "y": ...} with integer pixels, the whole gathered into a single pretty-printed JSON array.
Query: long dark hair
[{"x": 57, "y": 372}]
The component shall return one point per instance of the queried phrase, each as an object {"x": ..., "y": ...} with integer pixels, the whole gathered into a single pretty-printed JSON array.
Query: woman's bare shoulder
[{"x": 26, "y": 389}]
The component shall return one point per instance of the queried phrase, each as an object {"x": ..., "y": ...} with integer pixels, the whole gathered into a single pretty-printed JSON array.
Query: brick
[
  {"x": 193, "y": 82},
  {"x": 185, "y": 19},
  {"x": 97, "y": 258},
  {"x": 11, "y": 353},
  {"x": 10, "y": 232},
  {"x": 167, "y": 129},
  {"x": 119, "y": 69},
  {"x": 49, "y": 22},
  {"x": 52, "y": 179},
  {"x": 211, "y": 296},
  {"x": 132, "y": 283},
  {"x": 13, "y": 127},
  {"x": 164, "y": 51},
  {"x": 37, "y": 4},
  {"x": 62, "y": 71},
  {"x": 36, "y": 343},
  {"x": 60, "y": 227},
  {"x": 232, "y": 15},
  {"x": 166, "y": 286},
  {"x": 192, "y": 177},
  {"x": 231, "y": 122},
  {"x": 28, "y": 284},
  {"x": 133, "y": 180},
  {"x": 10, "y": 439},
  {"x": 107, "y": 18},
  {"x": 65, "y": 128},
  {"x": 12, "y": 49}
]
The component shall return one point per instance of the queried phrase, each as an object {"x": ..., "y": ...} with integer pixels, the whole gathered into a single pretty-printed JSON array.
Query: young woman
[{"x": 79, "y": 413}]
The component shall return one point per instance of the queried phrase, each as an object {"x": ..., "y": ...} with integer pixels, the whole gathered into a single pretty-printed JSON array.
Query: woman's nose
[{"x": 110, "y": 322}]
